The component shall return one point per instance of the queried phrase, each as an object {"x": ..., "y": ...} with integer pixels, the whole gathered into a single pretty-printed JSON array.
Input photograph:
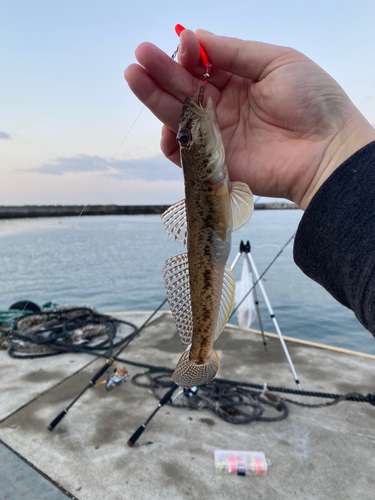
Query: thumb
[{"x": 243, "y": 58}]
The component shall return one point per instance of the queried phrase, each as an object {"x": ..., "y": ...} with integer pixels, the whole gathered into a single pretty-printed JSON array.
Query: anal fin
[
  {"x": 176, "y": 280},
  {"x": 226, "y": 302}
]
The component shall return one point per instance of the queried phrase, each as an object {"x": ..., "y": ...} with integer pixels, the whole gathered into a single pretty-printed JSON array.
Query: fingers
[
  {"x": 243, "y": 58},
  {"x": 169, "y": 75},
  {"x": 189, "y": 58},
  {"x": 169, "y": 146},
  {"x": 188, "y": 53},
  {"x": 162, "y": 104},
  {"x": 162, "y": 84}
]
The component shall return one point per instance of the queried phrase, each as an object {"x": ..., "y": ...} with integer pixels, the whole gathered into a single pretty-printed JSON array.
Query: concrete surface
[
  {"x": 29, "y": 378},
  {"x": 20, "y": 481},
  {"x": 325, "y": 453}
]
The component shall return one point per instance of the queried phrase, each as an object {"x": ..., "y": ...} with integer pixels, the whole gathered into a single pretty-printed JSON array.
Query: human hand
[{"x": 285, "y": 123}]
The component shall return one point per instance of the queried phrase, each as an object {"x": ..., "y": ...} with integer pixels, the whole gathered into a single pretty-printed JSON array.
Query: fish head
[{"x": 199, "y": 135}]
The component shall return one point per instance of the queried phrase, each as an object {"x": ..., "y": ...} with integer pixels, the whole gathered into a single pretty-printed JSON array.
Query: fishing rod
[
  {"x": 59, "y": 417},
  {"x": 110, "y": 361}
]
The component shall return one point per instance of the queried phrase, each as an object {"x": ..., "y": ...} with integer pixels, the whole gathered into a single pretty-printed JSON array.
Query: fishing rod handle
[
  {"x": 53, "y": 424},
  {"x": 136, "y": 435},
  {"x": 162, "y": 402}
]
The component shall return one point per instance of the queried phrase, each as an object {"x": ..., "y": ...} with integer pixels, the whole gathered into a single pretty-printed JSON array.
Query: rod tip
[{"x": 129, "y": 443}]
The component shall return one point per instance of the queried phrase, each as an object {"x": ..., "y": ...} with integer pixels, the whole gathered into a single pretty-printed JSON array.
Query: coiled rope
[
  {"x": 65, "y": 329},
  {"x": 235, "y": 405}
]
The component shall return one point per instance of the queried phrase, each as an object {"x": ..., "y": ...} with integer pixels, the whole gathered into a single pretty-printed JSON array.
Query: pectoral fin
[{"x": 242, "y": 205}]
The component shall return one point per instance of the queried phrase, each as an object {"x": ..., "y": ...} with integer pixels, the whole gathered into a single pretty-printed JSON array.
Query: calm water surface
[{"x": 115, "y": 263}]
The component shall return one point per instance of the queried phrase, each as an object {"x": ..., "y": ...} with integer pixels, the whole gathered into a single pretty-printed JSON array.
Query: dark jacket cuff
[{"x": 335, "y": 241}]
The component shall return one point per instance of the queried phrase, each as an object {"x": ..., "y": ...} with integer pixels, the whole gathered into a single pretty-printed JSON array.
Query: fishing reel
[
  {"x": 189, "y": 393},
  {"x": 114, "y": 380}
]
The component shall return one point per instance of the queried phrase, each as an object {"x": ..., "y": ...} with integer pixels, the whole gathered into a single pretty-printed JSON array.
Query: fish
[{"x": 199, "y": 285}]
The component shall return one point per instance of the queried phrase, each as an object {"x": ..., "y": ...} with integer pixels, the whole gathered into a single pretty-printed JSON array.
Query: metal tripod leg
[
  {"x": 256, "y": 301},
  {"x": 255, "y": 298},
  {"x": 272, "y": 315},
  {"x": 235, "y": 260}
]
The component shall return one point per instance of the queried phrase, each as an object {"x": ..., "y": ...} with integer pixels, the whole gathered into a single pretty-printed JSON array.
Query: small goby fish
[{"x": 200, "y": 286}]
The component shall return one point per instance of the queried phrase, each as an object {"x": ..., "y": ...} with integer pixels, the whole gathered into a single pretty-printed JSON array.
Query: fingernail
[{"x": 181, "y": 50}]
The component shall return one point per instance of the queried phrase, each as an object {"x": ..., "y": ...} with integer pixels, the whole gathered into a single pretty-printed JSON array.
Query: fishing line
[
  {"x": 85, "y": 206},
  {"x": 111, "y": 161},
  {"x": 115, "y": 155},
  {"x": 83, "y": 209},
  {"x": 106, "y": 170}
]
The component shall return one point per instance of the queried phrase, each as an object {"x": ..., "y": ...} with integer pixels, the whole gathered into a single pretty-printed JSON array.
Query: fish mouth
[
  {"x": 207, "y": 106},
  {"x": 201, "y": 124}
]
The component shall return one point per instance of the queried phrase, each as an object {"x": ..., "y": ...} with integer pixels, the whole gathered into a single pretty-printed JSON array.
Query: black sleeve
[{"x": 335, "y": 241}]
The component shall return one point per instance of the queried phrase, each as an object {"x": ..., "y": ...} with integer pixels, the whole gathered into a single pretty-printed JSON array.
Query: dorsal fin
[{"x": 174, "y": 220}]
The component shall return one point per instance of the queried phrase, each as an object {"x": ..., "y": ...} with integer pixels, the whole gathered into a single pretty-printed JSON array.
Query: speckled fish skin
[{"x": 207, "y": 188}]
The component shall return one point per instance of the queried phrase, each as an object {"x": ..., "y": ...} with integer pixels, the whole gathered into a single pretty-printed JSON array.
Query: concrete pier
[
  {"x": 316, "y": 453},
  {"x": 26, "y": 211}
]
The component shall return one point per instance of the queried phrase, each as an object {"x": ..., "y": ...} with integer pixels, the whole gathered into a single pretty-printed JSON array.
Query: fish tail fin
[{"x": 187, "y": 373}]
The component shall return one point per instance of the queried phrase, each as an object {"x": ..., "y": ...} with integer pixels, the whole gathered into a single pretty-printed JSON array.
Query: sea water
[{"x": 114, "y": 263}]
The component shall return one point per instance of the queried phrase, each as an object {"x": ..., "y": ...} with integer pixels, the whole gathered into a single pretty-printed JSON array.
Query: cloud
[
  {"x": 4, "y": 135},
  {"x": 86, "y": 188},
  {"x": 149, "y": 169}
]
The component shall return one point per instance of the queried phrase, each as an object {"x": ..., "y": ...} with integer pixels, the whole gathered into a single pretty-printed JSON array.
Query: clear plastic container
[{"x": 241, "y": 463}]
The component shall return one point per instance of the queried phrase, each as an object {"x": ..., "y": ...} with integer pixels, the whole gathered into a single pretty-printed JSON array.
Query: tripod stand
[{"x": 245, "y": 249}]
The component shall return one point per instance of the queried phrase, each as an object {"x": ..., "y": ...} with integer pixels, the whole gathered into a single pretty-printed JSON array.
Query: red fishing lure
[{"x": 179, "y": 29}]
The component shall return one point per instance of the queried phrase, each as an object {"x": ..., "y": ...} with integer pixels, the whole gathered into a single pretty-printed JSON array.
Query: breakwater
[{"x": 26, "y": 211}]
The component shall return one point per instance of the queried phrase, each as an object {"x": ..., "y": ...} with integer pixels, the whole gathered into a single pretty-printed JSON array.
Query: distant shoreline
[{"x": 31, "y": 211}]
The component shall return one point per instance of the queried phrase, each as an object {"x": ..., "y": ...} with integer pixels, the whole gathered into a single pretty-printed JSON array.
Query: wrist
[{"x": 356, "y": 134}]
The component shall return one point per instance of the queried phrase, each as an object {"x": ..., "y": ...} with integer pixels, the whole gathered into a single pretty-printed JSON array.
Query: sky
[{"x": 65, "y": 108}]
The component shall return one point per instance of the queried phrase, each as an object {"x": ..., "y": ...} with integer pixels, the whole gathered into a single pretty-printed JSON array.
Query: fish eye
[{"x": 183, "y": 137}]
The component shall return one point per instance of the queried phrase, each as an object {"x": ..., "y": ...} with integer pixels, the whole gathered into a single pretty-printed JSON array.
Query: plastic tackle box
[{"x": 241, "y": 462}]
